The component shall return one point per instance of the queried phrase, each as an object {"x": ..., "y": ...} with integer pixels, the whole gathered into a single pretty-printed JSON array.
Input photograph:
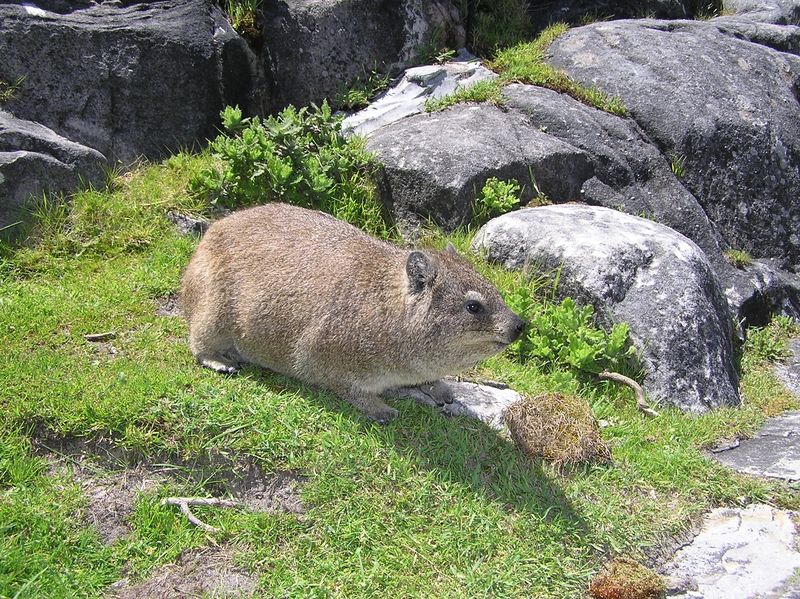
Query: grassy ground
[{"x": 423, "y": 507}]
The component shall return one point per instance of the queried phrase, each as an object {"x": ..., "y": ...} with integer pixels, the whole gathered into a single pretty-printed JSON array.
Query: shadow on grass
[{"x": 458, "y": 450}]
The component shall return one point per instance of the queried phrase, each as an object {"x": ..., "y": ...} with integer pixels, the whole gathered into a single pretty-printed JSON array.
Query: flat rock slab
[
  {"x": 416, "y": 86},
  {"x": 773, "y": 452},
  {"x": 739, "y": 554},
  {"x": 486, "y": 403}
]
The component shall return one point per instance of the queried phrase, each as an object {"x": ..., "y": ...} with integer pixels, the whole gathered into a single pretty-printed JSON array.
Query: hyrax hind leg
[
  {"x": 368, "y": 404},
  {"x": 214, "y": 349}
]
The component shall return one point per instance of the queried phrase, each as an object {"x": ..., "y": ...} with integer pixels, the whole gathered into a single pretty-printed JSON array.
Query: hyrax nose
[{"x": 517, "y": 326}]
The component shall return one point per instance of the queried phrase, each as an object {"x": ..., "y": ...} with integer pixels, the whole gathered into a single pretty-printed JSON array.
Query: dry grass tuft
[
  {"x": 559, "y": 428},
  {"x": 623, "y": 578}
]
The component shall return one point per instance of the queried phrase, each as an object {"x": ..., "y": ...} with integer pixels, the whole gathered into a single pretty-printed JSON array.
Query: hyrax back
[{"x": 312, "y": 297}]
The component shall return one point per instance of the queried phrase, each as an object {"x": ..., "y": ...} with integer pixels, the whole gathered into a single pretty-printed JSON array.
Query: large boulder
[
  {"x": 435, "y": 164},
  {"x": 315, "y": 48},
  {"x": 633, "y": 176},
  {"x": 33, "y": 160},
  {"x": 639, "y": 272},
  {"x": 127, "y": 79},
  {"x": 727, "y": 106}
]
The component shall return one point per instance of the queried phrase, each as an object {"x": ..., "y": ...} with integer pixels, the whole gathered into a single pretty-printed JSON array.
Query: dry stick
[
  {"x": 185, "y": 502},
  {"x": 637, "y": 389}
]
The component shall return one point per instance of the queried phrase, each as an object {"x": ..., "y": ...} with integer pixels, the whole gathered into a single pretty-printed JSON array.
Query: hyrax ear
[
  {"x": 421, "y": 271},
  {"x": 451, "y": 249}
]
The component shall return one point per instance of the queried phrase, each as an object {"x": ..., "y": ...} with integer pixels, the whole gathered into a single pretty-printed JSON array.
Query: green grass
[
  {"x": 243, "y": 17},
  {"x": 361, "y": 92},
  {"x": 8, "y": 89},
  {"x": 416, "y": 508},
  {"x": 524, "y": 63},
  {"x": 488, "y": 91},
  {"x": 738, "y": 258}
]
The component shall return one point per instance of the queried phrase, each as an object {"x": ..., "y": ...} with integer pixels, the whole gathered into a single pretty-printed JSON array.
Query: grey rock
[
  {"x": 759, "y": 291},
  {"x": 33, "y": 160},
  {"x": 574, "y": 11},
  {"x": 638, "y": 272},
  {"x": 730, "y": 107},
  {"x": 745, "y": 553},
  {"x": 630, "y": 173},
  {"x": 785, "y": 38},
  {"x": 788, "y": 371},
  {"x": 766, "y": 11},
  {"x": 773, "y": 452},
  {"x": 126, "y": 79},
  {"x": 436, "y": 163},
  {"x": 417, "y": 85},
  {"x": 315, "y": 47},
  {"x": 480, "y": 401}
]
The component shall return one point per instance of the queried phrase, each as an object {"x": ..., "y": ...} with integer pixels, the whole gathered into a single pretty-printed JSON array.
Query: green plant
[
  {"x": 771, "y": 343},
  {"x": 9, "y": 89},
  {"x": 496, "y": 197},
  {"x": 434, "y": 50},
  {"x": 487, "y": 91},
  {"x": 738, "y": 258},
  {"x": 300, "y": 157},
  {"x": 362, "y": 91},
  {"x": 677, "y": 163},
  {"x": 496, "y": 24},
  {"x": 564, "y": 336},
  {"x": 524, "y": 63},
  {"x": 243, "y": 17}
]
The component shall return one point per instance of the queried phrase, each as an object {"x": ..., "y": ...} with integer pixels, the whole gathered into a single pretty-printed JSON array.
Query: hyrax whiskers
[{"x": 306, "y": 295}]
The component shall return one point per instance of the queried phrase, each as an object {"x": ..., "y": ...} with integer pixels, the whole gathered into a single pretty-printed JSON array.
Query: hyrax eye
[{"x": 473, "y": 307}]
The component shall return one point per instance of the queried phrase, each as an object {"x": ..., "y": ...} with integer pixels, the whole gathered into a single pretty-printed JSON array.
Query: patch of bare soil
[
  {"x": 203, "y": 573},
  {"x": 167, "y": 306},
  {"x": 112, "y": 478}
]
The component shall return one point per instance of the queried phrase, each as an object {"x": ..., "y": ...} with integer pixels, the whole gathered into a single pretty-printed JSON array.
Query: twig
[
  {"x": 185, "y": 502},
  {"x": 637, "y": 389},
  {"x": 97, "y": 337}
]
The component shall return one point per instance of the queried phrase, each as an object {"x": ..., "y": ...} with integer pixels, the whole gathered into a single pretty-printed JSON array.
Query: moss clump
[
  {"x": 558, "y": 428},
  {"x": 623, "y": 578}
]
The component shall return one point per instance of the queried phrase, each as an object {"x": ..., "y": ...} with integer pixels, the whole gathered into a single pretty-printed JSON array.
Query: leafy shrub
[
  {"x": 564, "y": 336},
  {"x": 496, "y": 197},
  {"x": 300, "y": 157}
]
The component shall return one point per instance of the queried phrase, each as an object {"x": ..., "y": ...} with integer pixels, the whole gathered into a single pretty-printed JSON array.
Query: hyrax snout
[{"x": 304, "y": 294}]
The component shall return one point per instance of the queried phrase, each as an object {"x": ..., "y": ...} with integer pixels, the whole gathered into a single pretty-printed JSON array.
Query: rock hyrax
[{"x": 304, "y": 294}]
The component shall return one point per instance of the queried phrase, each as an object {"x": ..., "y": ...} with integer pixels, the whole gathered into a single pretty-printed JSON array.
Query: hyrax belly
[{"x": 309, "y": 296}]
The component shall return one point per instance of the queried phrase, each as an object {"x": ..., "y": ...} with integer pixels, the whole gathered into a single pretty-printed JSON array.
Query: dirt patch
[
  {"x": 204, "y": 573},
  {"x": 112, "y": 478},
  {"x": 167, "y": 306}
]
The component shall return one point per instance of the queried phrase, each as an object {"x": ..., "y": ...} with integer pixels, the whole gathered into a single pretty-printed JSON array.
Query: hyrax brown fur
[{"x": 309, "y": 296}]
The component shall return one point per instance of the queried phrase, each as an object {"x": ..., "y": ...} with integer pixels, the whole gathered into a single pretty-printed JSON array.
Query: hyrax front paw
[{"x": 439, "y": 391}]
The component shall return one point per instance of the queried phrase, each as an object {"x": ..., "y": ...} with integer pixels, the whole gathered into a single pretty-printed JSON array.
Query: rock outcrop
[
  {"x": 727, "y": 106},
  {"x": 124, "y": 78},
  {"x": 638, "y": 272},
  {"x": 316, "y": 48},
  {"x": 434, "y": 164},
  {"x": 34, "y": 159}
]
